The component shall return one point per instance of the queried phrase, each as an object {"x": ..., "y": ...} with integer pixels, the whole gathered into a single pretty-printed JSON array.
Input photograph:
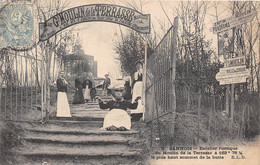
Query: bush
[{"x": 9, "y": 142}]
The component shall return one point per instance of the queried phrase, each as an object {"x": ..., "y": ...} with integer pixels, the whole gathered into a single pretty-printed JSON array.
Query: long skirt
[
  {"x": 78, "y": 97},
  {"x": 63, "y": 109},
  {"x": 117, "y": 118},
  {"x": 87, "y": 94},
  {"x": 137, "y": 91}
]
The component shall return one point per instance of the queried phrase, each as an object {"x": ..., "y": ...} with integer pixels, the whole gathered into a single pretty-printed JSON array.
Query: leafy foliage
[{"x": 131, "y": 50}]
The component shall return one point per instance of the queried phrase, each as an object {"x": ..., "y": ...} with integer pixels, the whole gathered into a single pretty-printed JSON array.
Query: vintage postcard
[{"x": 142, "y": 82}]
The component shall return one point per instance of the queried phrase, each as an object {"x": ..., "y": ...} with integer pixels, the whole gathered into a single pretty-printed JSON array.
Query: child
[
  {"x": 127, "y": 92},
  {"x": 117, "y": 118},
  {"x": 93, "y": 93}
]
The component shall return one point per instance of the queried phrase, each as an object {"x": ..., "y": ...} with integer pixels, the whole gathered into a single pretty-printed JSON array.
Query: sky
[{"x": 99, "y": 38}]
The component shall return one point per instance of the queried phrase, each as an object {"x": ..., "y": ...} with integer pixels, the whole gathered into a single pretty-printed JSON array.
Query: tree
[
  {"x": 77, "y": 49},
  {"x": 195, "y": 69},
  {"x": 130, "y": 50}
]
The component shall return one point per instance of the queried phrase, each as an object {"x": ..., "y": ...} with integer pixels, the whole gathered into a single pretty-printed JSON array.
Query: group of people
[
  {"x": 124, "y": 97},
  {"x": 84, "y": 91}
]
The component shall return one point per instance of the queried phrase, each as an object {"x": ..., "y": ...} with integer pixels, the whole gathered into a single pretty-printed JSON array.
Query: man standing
[{"x": 106, "y": 83}]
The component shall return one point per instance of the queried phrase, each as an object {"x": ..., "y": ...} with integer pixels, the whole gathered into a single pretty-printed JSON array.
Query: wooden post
[
  {"x": 232, "y": 103},
  {"x": 26, "y": 79},
  {"x": 173, "y": 74},
  {"x": 242, "y": 126},
  {"x": 210, "y": 119},
  {"x": 6, "y": 87},
  {"x": 42, "y": 81},
  {"x": 11, "y": 92},
  {"x": 48, "y": 96},
  {"x": 46, "y": 84},
  {"x": 22, "y": 84},
  {"x": 144, "y": 81},
  {"x": 199, "y": 111},
  {"x": 16, "y": 84},
  {"x": 227, "y": 99},
  {"x": 31, "y": 84}
]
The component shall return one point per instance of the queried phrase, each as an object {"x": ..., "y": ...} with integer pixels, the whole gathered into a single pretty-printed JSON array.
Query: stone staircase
[{"x": 80, "y": 140}]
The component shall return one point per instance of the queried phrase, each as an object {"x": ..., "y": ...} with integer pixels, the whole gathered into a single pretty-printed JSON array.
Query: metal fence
[
  {"x": 160, "y": 88},
  {"x": 21, "y": 85}
]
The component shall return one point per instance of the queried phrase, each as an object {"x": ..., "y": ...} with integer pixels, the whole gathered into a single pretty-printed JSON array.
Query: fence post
[
  {"x": 42, "y": 81},
  {"x": 232, "y": 103},
  {"x": 227, "y": 99},
  {"x": 173, "y": 73},
  {"x": 210, "y": 119},
  {"x": 198, "y": 118},
  {"x": 144, "y": 82}
]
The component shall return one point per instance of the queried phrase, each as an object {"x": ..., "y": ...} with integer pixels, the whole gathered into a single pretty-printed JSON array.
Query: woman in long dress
[
  {"x": 138, "y": 92},
  {"x": 117, "y": 119},
  {"x": 63, "y": 109},
  {"x": 78, "y": 96}
]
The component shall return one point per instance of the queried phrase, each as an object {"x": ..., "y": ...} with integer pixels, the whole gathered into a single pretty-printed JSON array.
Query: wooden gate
[{"x": 160, "y": 99}]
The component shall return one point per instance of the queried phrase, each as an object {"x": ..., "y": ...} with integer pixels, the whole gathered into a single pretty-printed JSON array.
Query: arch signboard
[{"x": 95, "y": 12}]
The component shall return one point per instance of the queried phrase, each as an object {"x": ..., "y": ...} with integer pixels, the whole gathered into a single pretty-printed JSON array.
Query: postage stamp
[{"x": 17, "y": 26}]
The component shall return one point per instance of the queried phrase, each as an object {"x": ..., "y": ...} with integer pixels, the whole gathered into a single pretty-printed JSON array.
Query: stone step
[
  {"x": 106, "y": 97},
  {"x": 93, "y": 103},
  {"x": 87, "y": 122},
  {"x": 87, "y": 116},
  {"x": 75, "y": 151},
  {"x": 79, "y": 118},
  {"x": 73, "y": 131},
  {"x": 64, "y": 125},
  {"x": 89, "y": 109},
  {"x": 84, "y": 105},
  {"x": 93, "y": 111},
  {"x": 79, "y": 139}
]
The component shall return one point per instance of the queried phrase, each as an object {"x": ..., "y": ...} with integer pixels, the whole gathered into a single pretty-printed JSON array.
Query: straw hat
[
  {"x": 117, "y": 85},
  {"x": 139, "y": 62},
  {"x": 127, "y": 78}
]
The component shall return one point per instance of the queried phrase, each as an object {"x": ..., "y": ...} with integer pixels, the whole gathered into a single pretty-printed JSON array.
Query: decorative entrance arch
[
  {"x": 95, "y": 12},
  {"x": 25, "y": 86}
]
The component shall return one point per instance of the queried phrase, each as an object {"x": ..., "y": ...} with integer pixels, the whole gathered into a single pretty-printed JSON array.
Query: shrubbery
[{"x": 9, "y": 142}]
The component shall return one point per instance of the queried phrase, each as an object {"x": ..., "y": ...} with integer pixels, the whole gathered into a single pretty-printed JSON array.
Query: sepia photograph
[{"x": 129, "y": 82}]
